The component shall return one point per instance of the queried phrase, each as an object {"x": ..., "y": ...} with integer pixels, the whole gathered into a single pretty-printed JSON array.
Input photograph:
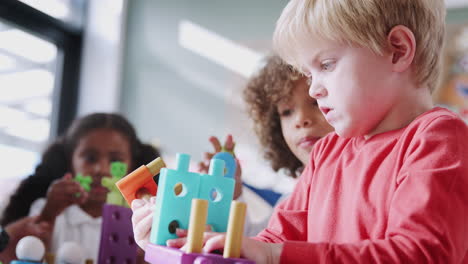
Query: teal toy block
[
  {"x": 176, "y": 190},
  {"x": 218, "y": 190}
]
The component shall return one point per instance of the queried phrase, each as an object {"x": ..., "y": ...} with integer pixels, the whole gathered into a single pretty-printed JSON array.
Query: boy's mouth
[{"x": 325, "y": 110}]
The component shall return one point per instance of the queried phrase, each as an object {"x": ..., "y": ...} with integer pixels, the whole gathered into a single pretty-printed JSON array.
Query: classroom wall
[{"x": 179, "y": 98}]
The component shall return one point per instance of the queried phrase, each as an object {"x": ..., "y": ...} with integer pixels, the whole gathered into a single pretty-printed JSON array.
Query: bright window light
[
  {"x": 24, "y": 85},
  {"x": 6, "y": 62},
  {"x": 10, "y": 116},
  {"x": 41, "y": 107},
  {"x": 56, "y": 8},
  {"x": 17, "y": 162},
  {"x": 36, "y": 130},
  {"x": 27, "y": 46},
  {"x": 218, "y": 49}
]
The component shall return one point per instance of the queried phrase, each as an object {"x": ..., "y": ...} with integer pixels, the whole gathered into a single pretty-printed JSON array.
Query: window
[{"x": 40, "y": 49}]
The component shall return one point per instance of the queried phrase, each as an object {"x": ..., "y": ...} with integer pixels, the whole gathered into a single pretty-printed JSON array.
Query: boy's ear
[{"x": 402, "y": 44}]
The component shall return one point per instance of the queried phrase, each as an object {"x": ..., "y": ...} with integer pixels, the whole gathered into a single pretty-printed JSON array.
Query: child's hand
[
  {"x": 142, "y": 219},
  {"x": 229, "y": 144},
  {"x": 61, "y": 194},
  {"x": 260, "y": 252},
  {"x": 28, "y": 226}
]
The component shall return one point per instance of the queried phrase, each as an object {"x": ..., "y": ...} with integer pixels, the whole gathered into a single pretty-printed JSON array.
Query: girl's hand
[
  {"x": 260, "y": 252},
  {"x": 61, "y": 194},
  {"x": 142, "y": 219},
  {"x": 229, "y": 144},
  {"x": 27, "y": 226}
]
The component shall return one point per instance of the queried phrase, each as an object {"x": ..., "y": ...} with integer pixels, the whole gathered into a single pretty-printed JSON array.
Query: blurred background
[{"x": 175, "y": 69}]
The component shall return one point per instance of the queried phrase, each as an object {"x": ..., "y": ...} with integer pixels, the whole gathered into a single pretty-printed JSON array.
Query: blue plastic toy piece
[
  {"x": 229, "y": 162},
  {"x": 270, "y": 196},
  {"x": 176, "y": 190}
]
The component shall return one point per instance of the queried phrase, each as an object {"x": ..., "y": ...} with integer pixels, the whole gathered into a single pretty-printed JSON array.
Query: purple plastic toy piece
[
  {"x": 117, "y": 243},
  {"x": 156, "y": 254}
]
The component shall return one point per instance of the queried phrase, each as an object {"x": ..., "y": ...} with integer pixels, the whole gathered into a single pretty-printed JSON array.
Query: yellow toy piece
[
  {"x": 198, "y": 215},
  {"x": 235, "y": 230}
]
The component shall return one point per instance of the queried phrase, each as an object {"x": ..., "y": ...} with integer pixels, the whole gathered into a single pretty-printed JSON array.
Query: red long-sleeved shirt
[{"x": 398, "y": 197}]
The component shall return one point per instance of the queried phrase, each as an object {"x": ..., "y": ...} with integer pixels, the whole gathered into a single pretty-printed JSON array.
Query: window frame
[{"x": 69, "y": 41}]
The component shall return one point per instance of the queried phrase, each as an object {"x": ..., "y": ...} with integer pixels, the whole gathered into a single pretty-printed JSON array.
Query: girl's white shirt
[{"x": 73, "y": 224}]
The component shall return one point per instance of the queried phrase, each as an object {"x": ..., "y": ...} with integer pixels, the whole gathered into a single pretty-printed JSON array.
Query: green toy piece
[
  {"x": 84, "y": 181},
  {"x": 117, "y": 171}
]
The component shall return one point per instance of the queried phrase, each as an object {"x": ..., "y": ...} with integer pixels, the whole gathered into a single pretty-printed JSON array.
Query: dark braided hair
[{"x": 56, "y": 160}]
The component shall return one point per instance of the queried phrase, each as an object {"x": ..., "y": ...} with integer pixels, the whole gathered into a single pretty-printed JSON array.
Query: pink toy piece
[
  {"x": 156, "y": 254},
  {"x": 117, "y": 243}
]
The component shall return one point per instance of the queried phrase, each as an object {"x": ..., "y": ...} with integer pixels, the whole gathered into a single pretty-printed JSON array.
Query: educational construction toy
[
  {"x": 140, "y": 182},
  {"x": 156, "y": 254},
  {"x": 117, "y": 242},
  {"x": 84, "y": 181},
  {"x": 229, "y": 163},
  {"x": 117, "y": 171},
  {"x": 176, "y": 190},
  {"x": 29, "y": 249}
]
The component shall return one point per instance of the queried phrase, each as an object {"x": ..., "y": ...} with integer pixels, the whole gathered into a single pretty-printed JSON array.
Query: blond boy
[{"x": 391, "y": 184}]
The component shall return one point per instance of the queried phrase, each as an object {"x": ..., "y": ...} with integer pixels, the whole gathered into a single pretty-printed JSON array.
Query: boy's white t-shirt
[{"x": 73, "y": 224}]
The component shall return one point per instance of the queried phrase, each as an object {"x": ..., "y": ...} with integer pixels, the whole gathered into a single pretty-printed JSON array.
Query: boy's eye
[{"x": 327, "y": 65}]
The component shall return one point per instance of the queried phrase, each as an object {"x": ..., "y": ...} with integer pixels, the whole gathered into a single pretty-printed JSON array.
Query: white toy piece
[
  {"x": 30, "y": 248},
  {"x": 70, "y": 253}
]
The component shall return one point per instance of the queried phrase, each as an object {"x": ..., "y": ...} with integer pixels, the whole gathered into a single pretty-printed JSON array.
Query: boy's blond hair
[{"x": 365, "y": 23}]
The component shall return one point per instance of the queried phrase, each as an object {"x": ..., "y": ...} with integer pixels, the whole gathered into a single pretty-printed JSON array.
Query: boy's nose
[{"x": 317, "y": 91}]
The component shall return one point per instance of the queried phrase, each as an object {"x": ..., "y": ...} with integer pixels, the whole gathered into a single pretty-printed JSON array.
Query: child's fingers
[
  {"x": 229, "y": 144},
  {"x": 140, "y": 213},
  {"x": 181, "y": 232},
  {"x": 176, "y": 242},
  {"x": 141, "y": 229},
  {"x": 202, "y": 167},
  {"x": 137, "y": 203},
  {"x": 67, "y": 176},
  {"x": 214, "y": 242},
  {"x": 208, "y": 156},
  {"x": 216, "y": 144}
]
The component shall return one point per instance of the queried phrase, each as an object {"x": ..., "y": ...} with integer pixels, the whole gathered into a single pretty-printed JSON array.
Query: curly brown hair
[{"x": 272, "y": 84}]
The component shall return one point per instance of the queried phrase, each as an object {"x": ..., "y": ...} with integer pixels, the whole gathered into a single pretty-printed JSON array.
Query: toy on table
[
  {"x": 117, "y": 171},
  {"x": 117, "y": 243},
  {"x": 176, "y": 190},
  {"x": 156, "y": 254},
  {"x": 229, "y": 163},
  {"x": 70, "y": 253},
  {"x": 140, "y": 182},
  {"x": 29, "y": 249}
]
